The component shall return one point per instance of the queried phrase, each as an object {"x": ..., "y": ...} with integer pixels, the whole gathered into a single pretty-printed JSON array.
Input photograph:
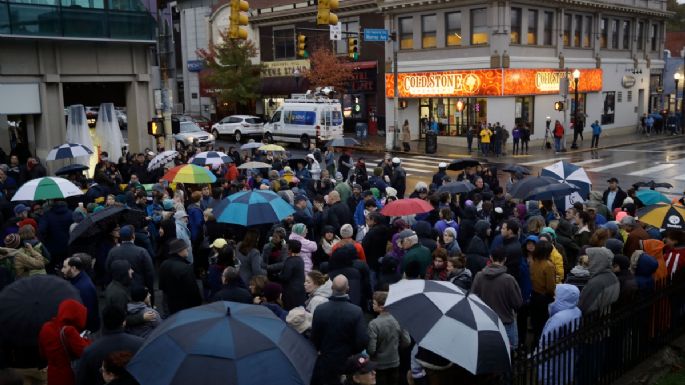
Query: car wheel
[
  {"x": 268, "y": 138},
  {"x": 237, "y": 136},
  {"x": 304, "y": 141},
  {"x": 216, "y": 134}
]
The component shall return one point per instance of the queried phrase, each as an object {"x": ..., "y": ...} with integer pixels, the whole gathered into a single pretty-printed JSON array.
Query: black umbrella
[
  {"x": 521, "y": 189},
  {"x": 652, "y": 185},
  {"x": 28, "y": 303},
  {"x": 456, "y": 187},
  {"x": 103, "y": 221},
  {"x": 460, "y": 164},
  {"x": 294, "y": 161},
  {"x": 550, "y": 192},
  {"x": 515, "y": 168},
  {"x": 72, "y": 169}
]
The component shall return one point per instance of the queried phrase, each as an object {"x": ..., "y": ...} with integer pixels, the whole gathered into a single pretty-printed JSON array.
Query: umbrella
[
  {"x": 49, "y": 187},
  {"x": 652, "y": 185},
  {"x": 553, "y": 192},
  {"x": 520, "y": 189},
  {"x": 210, "y": 158},
  {"x": 252, "y": 165},
  {"x": 650, "y": 197},
  {"x": 664, "y": 216},
  {"x": 251, "y": 145},
  {"x": 570, "y": 173},
  {"x": 451, "y": 323},
  {"x": 224, "y": 343},
  {"x": 28, "y": 303},
  {"x": 249, "y": 208},
  {"x": 460, "y": 164},
  {"x": 515, "y": 168},
  {"x": 456, "y": 187},
  {"x": 294, "y": 161},
  {"x": 271, "y": 147},
  {"x": 342, "y": 142},
  {"x": 408, "y": 206},
  {"x": 104, "y": 220},
  {"x": 69, "y": 150},
  {"x": 72, "y": 169},
  {"x": 189, "y": 173},
  {"x": 161, "y": 159}
]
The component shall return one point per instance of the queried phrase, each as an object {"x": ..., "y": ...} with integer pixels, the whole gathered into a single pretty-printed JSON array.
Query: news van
[{"x": 307, "y": 121}]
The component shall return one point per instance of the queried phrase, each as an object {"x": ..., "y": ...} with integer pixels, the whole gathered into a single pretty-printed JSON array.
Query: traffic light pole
[{"x": 163, "y": 52}]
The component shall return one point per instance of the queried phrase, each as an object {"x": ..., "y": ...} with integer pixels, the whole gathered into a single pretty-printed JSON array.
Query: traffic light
[
  {"x": 357, "y": 108},
  {"x": 238, "y": 19},
  {"x": 352, "y": 48},
  {"x": 155, "y": 127},
  {"x": 324, "y": 16},
  {"x": 559, "y": 106},
  {"x": 302, "y": 46}
]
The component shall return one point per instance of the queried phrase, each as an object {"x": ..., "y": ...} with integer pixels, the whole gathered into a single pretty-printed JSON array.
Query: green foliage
[{"x": 677, "y": 22}]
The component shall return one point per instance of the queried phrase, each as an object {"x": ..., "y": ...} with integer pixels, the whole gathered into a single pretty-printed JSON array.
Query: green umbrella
[{"x": 49, "y": 187}]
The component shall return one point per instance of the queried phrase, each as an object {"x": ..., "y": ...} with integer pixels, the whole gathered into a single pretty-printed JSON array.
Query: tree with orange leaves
[{"x": 328, "y": 69}]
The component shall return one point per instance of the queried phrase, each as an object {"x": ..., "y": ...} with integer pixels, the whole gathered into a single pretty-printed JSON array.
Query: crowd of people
[{"x": 326, "y": 269}]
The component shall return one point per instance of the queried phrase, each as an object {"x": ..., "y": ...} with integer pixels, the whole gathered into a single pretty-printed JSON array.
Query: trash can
[{"x": 431, "y": 142}]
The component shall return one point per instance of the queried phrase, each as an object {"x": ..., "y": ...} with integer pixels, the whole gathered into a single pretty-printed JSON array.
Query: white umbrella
[
  {"x": 251, "y": 145},
  {"x": 161, "y": 159},
  {"x": 569, "y": 173},
  {"x": 69, "y": 151},
  {"x": 251, "y": 165},
  {"x": 210, "y": 158},
  {"x": 49, "y": 187}
]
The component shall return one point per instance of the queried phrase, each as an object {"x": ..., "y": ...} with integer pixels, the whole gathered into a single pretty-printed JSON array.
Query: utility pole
[{"x": 163, "y": 53}]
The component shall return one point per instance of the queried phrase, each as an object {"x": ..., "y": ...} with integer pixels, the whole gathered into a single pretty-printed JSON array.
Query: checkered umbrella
[
  {"x": 69, "y": 150},
  {"x": 161, "y": 159},
  {"x": 452, "y": 324},
  {"x": 210, "y": 158}
]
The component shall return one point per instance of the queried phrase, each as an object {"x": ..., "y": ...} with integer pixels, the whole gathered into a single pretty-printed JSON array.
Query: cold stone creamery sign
[{"x": 489, "y": 82}]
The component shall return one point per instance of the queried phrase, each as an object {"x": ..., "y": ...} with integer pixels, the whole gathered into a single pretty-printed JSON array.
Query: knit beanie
[
  {"x": 299, "y": 228},
  {"x": 12, "y": 240},
  {"x": 346, "y": 231}
]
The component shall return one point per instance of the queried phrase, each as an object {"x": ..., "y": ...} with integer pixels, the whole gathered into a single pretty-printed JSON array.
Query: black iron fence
[{"x": 599, "y": 348}]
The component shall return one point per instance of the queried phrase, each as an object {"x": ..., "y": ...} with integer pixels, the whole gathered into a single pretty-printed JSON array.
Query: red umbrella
[{"x": 409, "y": 206}]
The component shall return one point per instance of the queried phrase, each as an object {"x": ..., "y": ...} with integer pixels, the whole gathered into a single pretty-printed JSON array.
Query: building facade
[{"x": 465, "y": 63}]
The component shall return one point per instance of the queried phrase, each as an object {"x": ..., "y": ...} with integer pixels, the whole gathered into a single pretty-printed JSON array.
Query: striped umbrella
[
  {"x": 249, "y": 208},
  {"x": 189, "y": 173},
  {"x": 49, "y": 187},
  {"x": 161, "y": 159},
  {"x": 451, "y": 323},
  {"x": 663, "y": 215},
  {"x": 211, "y": 158},
  {"x": 569, "y": 173},
  {"x": 68, "y": 151}
]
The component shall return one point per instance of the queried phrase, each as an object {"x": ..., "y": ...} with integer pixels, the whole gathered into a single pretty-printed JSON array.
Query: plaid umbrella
[
  {"x": 161, "y": 159},
  {"x": 49, "y": 187},
  {"x": 68, "y": 151},
  {"x": 250, "y": 208},
  {"x": 451, "y": 323},
  {"x": 211, "y": 158},
  {"x": 664, "y": 216},
  {"x": 189, "y": 173}
]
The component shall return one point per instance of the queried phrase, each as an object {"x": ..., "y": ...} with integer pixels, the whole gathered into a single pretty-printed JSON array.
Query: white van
[{"x": 310, "y": 122}]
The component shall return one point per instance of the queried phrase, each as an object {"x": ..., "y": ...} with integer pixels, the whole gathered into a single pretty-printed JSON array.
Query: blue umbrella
[
  {"x": 224, "y": 343},
  {"x": 551, "y": 192},
  {"x": 249, "y": 208},
  {"x": 572, "y": 174},
  {"x": 651, "y": 197}
]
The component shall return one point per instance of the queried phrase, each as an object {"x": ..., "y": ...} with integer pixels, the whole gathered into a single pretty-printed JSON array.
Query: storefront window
[
  {"x": 453, "y": 116},
  {"x": 523, "y": 112},
  {"x": 532, "y": 27},
  {"x": 406, "y": 33},
  {"x": 515, "y": 26},
  {"x": 453, "y": 28},
  {"x": 479, "y": 26},
  {"x": 428, "y": 37}
]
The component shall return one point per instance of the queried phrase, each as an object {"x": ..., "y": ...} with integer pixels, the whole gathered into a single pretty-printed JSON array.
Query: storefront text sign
[
  {"x": 489, "y": 82},
  {"x": 271, "y": 69}
]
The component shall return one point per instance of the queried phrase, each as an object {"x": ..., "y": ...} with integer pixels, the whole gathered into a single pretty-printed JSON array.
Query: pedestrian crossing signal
[{"x": 559, "y": 106}]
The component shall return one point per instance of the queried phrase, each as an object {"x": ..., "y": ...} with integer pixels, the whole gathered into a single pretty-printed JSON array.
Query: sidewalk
[{"x": 616, "y": 137}]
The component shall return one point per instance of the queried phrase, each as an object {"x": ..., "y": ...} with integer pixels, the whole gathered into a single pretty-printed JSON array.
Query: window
[
  {"x": 515, "y": 26},
  {"x": 532, "y": 27},
  {"x": 619, "y": 97},
  {"x": 406, "y": 33},
  {"x": 614, "y": 34},
  {"x": 609, "y": 107},
  {"x": 549, "y": 24},
  {"x": 346, "y": 26},
  {"x": 577, "y": 30},
  {"x": 428, "y": 25},
  {"x": 654, "y": 37},
  {"x": 603, "y": 33},
  {"x": 629, "y": 96},
  {"x": 587, "y": 32},
  {"x": 276, "y": 118},
  {"x": 524, "y": 111},
  {"x": 479, "y": 26},
  {"x": 284, "y": 44},
  {"x": 626, "y": 34},
  {"x": 453, "y": 28},
  {"x": 568, "y": 21},
  {"x": 640, "y": 35}
]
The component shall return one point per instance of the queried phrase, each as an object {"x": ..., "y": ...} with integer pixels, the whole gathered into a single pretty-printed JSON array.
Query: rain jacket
[
  {"x": 675, "y": 259},
  {"x": 308, "y": 248},
  {"x": 655, "y": 248},
  {"x": 319, "y": 296},
  {"x": 645, "y": 266},
  {"x": 71, "y": 317},
  {"x": 25, "y": 263},
  {"x": 477, "y": 252},
  {"x": 563, "y": 311},
  {"x": 54, "y": 230},
  {"x": 498, "y": 290},
  {"x": 603, "y": 288}
]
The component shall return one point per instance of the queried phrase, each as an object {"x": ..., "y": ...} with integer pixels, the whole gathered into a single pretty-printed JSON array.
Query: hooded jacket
[
  {"x": 71, "y": 319},
  {"x": 425, "y": 232},
  {"x": 54, "y": 230},
  {"x": 675, "y": 259},
  {"x": 477, "y": 252},
  {"x": 565, "y": 238},
  {"x": 603, "y": 288},
  {"x": 645, "y": 267},
  {"x": 498, "y": 290},
  {"x": 467, "y": 226},
  {"x": 319, "y": 296},
  {"x": 655, "y": 248},
  {"x": 117, "y": 292}
]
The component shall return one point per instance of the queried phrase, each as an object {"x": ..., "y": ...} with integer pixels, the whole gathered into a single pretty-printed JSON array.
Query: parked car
[
  {"x": 238, "y": 126},
  {"x": 200, "y": 120},
  {"x": 191, "y": 134}
]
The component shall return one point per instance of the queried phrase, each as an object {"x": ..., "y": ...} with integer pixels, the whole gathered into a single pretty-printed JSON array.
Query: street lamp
[
  {"x": 576, "y": 123},
  {"x": 676, "y": 77}
]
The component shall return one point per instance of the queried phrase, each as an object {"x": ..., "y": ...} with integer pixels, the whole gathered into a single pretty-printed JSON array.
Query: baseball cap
[
  {"x": 396, "y": 160},
  {"x": 219, "y": 243},
  {"x": 359, "y": 363},
  {"x": 20, "y": 208},
  {"x": 442, "y": 165},
  {"x": 180, "y": 214},
  {"x": 612, "y": 179}
]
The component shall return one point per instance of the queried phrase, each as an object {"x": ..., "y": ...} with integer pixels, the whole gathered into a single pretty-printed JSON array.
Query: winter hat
[
  {"x": 299, "y": 319},
  {"x": 168, "y": 204},
  {"x": 619, "y": 216},
  {"x": 376, "y": 193},
  {"x": 378, "y": 171},
  {"x": 451, "y": 231},
  {"x": 12, "y": 240},
  {"x": 299, "y": 229},
  {"x": 177, "y": 245},
  {"x": 359, "y": 363},
  {"x": 272, "y": 291},
  {"x": 390, "y": 192},
  {"x": 338, "y": 176},
  {"x": 628, "y": 201},
  {"x": 549, "y": 230},
  {"x": 20, "y": 208},
  {"x": 98, "y": 208},
  {"x": 622, "y": 261},
  {"x": 219, "y": 243},
  {"x": 612, "y": 226},
  {"x": 30, "y": 222},
  {"x": 468, "y": 202},
  {"x": 615, "y": 246},
  {"x": 532, "y": 238},
  {"x": 346, "y": 231}
]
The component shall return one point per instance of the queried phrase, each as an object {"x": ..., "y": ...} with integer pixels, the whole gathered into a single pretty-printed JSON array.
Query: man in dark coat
[
  {"x": 375, "y": 241},
  {"x": 53, "y": 227},
  {"x": 512, "y": 248},
  {"x": 138, "y": 257},
  {"x": 398, "y": 180},
  {"x": 231, "y": 289},
  {"x": 72, "y": 269},
  {"x": 117, "y": 292},
  {"x": 113, "y": 339},
  {"x": 292, "y": 277},
  {"x": 338, "y": 331},
  {"x": 467, "y": 226},
  {"x": 177, "y": 279},
  {"x": 477, "y": 252},
  {"x": 613, "y": 196},
  {"x": 337, "y": 214}
]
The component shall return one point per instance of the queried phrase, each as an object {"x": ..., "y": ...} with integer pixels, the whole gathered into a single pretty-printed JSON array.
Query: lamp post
[
  {"x": 576, "y": 123},
  {"x": 676, "y": 77}
]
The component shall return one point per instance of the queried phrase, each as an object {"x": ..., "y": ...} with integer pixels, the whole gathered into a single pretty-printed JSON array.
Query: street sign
[
  {"x": 336, "y": 31},
  {"x": 375, "y": 34}
]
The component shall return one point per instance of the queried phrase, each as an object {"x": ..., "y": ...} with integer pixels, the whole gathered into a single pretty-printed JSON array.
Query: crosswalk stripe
[
  {"x": 588, "y": 161},
  {"x": 432, "y": 158},
  {"x": 612, "y": 165},
  {"x": 550, "y": 161},
  {"x": 680, "y": 177},
  {"x": 650, "y": 170},
  {"x": 417, "y": 170}
]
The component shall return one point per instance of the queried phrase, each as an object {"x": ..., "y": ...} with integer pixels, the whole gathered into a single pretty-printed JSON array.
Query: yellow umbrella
[
  {"x": 663, "y": 216},
  {"x": 271, "y": 147}
]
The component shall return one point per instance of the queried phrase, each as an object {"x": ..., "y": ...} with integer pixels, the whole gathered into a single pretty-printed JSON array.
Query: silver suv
[
  {"x": 191, "y": 134},
  {"x": 239, "y": 126}
]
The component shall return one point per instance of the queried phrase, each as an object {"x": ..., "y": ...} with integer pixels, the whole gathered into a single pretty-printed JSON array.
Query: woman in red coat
[{"x": 71, "y": 318}]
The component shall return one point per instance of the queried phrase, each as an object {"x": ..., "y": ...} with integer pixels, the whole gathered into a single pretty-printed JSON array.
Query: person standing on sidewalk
[
  {"x": 406, "y": 136},
  {"x": 485, "y": 135},
  {"x": 516, "y": 135},
  {"x": 577, "y": 131},
  {"x": 497, "y": 140},
  {"x": 469, "y": 137},
  {"x": 649, "y": 122},
  {"x": 596, "y": 132},
  {"x": 558, "y": 136}
]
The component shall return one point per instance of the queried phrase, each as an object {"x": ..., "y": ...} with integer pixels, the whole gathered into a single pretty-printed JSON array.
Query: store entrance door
[{"x": 425, "y": 113}]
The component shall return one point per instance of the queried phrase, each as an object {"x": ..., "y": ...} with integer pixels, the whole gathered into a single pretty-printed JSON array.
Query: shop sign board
[{"x": 271, "y": 69}]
